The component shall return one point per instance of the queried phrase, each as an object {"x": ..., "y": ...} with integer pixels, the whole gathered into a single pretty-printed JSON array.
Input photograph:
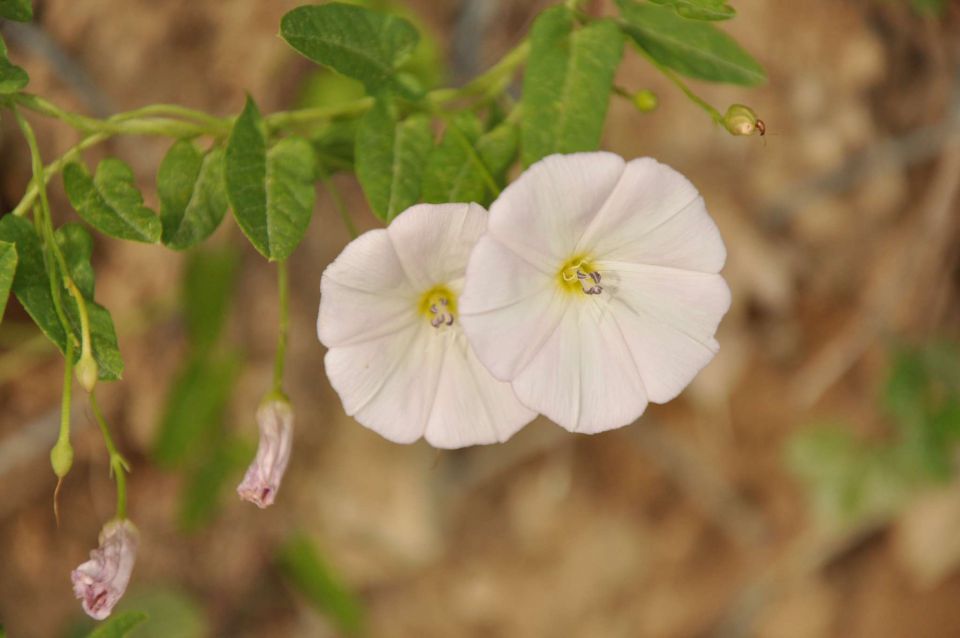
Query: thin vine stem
[
  {"x": 338, "y": 203},
  {"x": 118, "y": 466},
  {"x": 714, "y": 114},
  {"x": 283, "y": 326}
]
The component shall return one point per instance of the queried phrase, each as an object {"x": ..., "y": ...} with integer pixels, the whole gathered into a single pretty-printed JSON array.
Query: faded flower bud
[
  {"x": 645, "y": 100},
  {"x": 86, "y": 371},
  {"x": 260, "y": 485},
  {"x": 100, "y": 582},
  {"x": 741, "y": 120}
]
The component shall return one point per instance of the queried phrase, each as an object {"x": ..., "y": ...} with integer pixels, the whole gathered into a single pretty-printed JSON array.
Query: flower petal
[
  {"x": 433, "y": 241},
  {"x": 668, "y": 318},
  {"x": 583, "y": 377},
  {"x": 655, "y": 216},
  {"x": 389, "y": 384},
  {"x": 508, "y": 307},
  {"x": 543, "y": 214},
  {"x": 471, "y": 407},
  {"x": 364, "y": 293}
]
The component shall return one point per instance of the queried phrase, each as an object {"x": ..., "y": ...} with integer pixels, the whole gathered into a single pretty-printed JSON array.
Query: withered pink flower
[
  {"x": 260, "y": 485},
  {"x": 100, "y": 582}
]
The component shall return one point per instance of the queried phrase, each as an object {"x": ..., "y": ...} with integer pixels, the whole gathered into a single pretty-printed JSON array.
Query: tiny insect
[{"x": 761, "y": 127}]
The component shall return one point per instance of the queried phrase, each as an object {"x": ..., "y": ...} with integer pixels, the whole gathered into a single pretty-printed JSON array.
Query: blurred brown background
[{"x": 841, "y": 227}]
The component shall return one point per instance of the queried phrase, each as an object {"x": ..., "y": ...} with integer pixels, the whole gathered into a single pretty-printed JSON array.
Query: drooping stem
[
  {"x": 54, "y": 168},
  {"x": 118, "y": 466},
  {"x": 283, "y": 325},
  {"x": 714, "y": 114}
]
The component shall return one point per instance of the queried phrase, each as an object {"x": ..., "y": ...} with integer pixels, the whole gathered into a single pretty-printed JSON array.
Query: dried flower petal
[
  {"x": 260, "y": 485},
  {"x": 100, "y": 582}
]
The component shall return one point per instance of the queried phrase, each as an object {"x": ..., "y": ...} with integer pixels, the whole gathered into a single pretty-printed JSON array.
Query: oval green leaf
[
  {"x": 119, "y": 625},
  {"x": 19, "y": 10},
  {"x": 12, "y": 77},
  {"x": 193, "y": 199},
  {"x": 695, "y": 49},
  {"x": 8, "y": 269},
  {"x": 700, "y": 9},
  {"x": 111, "y": 201},
  {"x": 390, "y": 156},
  {"x": 271, "y": 193},
  {"x": 359, "y": 43},
  {"x": 567, "y": 84}
]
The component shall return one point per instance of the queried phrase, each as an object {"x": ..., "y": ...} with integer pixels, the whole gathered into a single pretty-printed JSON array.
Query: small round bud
[
  {"x": 645, "y": 100},
  {"x": 86, "y": 371},
  {"x": 61, "y": 457},
  {"x": 741, "y": 120}
]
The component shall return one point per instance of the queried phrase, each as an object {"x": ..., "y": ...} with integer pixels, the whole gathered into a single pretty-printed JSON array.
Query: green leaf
[
  {"x": 77, "y": 247},
  {"x": 111, "y": 202},
  {"x": 696, "y": 49},
  {"x": 208, "y": 284},
  {"x": 8, "y": 270},
  {"x": 271, "y": 192},
  {"x": 200, "y": 497},
  {"x": 193, "y": 199},
  {"x": 12, "y": 77},
  {"x": 119, "y": 625},
  {"x": 390, "y": 156},
  {"x": 567, "y": 84},
  {"x": 19, "y": 10},
  {"x": 31, "y": 284},
  {"x": 195, "y": 408},
  {"x": 357, "y": 42},
  {"x": 300, "y": 562},
  {"x": 700, "y": 9},
  {"x": 461, "y": 166}
]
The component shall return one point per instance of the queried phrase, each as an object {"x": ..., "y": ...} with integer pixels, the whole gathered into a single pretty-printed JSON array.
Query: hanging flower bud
[
  {"x": 86, "y": 371},
  {"x": 100, "y": 582},
  {"x": 645, "y": 100},
  {"x": 741, "y": 120},
  {"x": 260, "y": 485},
  {"x": 61, "y": 456}
]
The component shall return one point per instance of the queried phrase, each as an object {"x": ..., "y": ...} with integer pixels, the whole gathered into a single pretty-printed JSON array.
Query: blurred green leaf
[
  {"x": 700, "y": 9},
  {"x": 271, "y": 192},
  {"x": 929, "y": 7},
  {"x": 19, "y": 10},
  {"x": 12, "y": 77},
  {"x": 77, "y": 248},
  {"x": 453, "y": 173},
  {"x": 390, "y": 156},
  {"x": 111, "y": 201},
  {"x": 118, "y": 625},
  {"x": 208, "y": 285},
  {"x": 195, "y": 407},
  {"x": 173, "y": 612},
  {"x": 696, "y": 49},
  {"x": 200, "y": 498},
  {"x": 302, "y": 565},
  {"x": 567, "y": 84},
  {"x": 8, "y": 270},
  {"x": 193, "y": 198},
  {"x": 357, "y": 42}
]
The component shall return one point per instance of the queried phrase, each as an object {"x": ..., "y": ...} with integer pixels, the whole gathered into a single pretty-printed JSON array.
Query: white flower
[
  {"x": 389, "y": 314},
  {"x": 595, "y": 288},
  {"x": 100, "y": 582},
  {"x": 262, "y": 480}
]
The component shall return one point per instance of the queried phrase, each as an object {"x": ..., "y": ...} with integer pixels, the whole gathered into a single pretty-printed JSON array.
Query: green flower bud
[
  {"x": 741, "y": 120},
  {"x": 86, "y": 371},
  {"x": 61, "y": 457},
  {"x": 645, "y": 100}
]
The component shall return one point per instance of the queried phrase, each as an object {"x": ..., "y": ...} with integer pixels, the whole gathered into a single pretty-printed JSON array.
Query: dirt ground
[{"x": 841, "y": 227}]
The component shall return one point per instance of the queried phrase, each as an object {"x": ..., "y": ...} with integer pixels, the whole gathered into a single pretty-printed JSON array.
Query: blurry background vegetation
[{"x": 805, "y": 485}]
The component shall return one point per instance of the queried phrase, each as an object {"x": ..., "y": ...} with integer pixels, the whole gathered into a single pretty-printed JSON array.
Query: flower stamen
[
  {"x": 580, "y": 276},
  {"x": 439, "y": 305}
]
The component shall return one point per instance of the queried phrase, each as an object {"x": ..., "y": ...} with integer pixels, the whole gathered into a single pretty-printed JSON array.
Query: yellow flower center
[
  {"x": 439, "y": 306},
  {"x": 579, "y": 276}
]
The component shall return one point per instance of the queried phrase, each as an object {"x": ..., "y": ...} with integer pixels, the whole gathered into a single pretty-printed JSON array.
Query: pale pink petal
[
  {"x": 364, "y": 293},
  {"x": 508, "y": 307},
  {"x": 544, "y": 213},
  {"x": 262, "y": 480},
  {"x": 433, "y": 241},
  {"x": 471, "y": 407},
  {"x": 583, "y": 377},
  {"x": 655, "y": 216},
  {"x": 100, "y": 582},
  {"x": 668, "y": 318}
]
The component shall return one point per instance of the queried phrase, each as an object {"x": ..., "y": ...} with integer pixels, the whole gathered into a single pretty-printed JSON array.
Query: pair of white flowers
[{"x": 590, "y": 289}]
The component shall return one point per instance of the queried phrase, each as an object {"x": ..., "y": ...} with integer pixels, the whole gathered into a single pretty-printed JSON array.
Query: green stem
[
  {"x": 714, "y": 114},
  {"x": 118, "y": 466},
  {"x": 67, "y": 392},
  {"x": 54, "y": 168},
  {"x": 283, "y": 327},
  {"x": 338, "y": 202}
]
